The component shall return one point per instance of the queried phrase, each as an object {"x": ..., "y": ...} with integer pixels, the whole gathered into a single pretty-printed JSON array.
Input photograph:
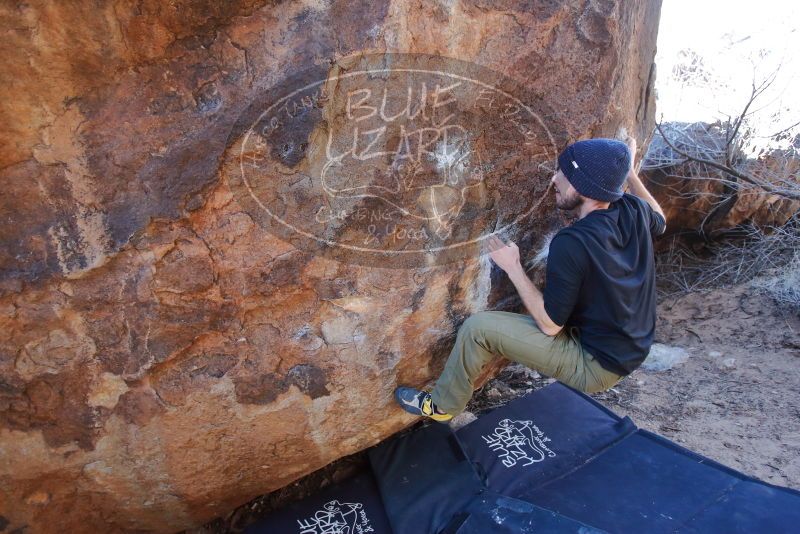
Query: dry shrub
[
  {"x": 768, "y": 258},
  {"x": 783, "y": 283}
]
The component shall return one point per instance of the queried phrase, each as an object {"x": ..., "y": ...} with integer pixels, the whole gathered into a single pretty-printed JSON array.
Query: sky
[{"x": 710, "y": 52}]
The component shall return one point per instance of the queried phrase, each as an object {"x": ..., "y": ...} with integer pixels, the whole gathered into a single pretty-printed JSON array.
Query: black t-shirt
[{"x": 601, "y": 278}]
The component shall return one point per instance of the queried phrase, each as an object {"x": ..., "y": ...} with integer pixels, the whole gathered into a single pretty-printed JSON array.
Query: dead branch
[{"x": 766, "y": 186}]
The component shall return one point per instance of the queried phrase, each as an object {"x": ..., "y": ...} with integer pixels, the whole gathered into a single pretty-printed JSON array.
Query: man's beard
[{"x": 569, "y": 203}]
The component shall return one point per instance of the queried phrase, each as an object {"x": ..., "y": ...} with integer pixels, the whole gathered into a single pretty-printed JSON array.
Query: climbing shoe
[{"x": 419, "y": 403}]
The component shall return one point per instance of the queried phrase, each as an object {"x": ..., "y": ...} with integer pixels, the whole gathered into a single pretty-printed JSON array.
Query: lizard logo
[
  {"x": 392, "y": 160},
  {"x": 518, "y": 442}
]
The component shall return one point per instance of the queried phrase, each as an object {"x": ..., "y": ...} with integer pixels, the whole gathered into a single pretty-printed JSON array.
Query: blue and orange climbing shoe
[{"x": 419, "y": 402}]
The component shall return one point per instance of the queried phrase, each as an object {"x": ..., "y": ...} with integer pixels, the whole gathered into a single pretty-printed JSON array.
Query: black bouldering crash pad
[
  {"x": 552, "y": 461},
  {"x": 424, "y": 478},
  {"x": 352, "y": 506}
]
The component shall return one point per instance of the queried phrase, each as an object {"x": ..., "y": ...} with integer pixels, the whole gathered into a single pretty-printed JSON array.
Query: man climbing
[{"x": 595, "y": 321}]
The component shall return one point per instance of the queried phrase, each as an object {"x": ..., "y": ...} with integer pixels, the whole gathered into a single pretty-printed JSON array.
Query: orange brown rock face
[
  {"x": 706, "y": 207},
  {"x": 166, "y": 354}
]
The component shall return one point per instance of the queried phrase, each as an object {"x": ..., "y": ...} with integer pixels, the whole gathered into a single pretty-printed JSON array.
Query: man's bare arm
[
  {"x": 635, "y": 183},
  {"x": 533, "y": 300},
  {"x": 637, "y": 188}
]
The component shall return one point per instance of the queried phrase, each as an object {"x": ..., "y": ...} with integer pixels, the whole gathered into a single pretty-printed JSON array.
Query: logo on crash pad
[
  {"x": 337, "y": 518},
  {"x": 519, "y": 442},
  {"x": 392, "y": 160}
]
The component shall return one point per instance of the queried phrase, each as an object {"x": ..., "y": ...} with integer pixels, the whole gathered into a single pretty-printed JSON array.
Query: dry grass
[
  {"x": 784, "y": 284},
  {"x": 767, "y": 257}
]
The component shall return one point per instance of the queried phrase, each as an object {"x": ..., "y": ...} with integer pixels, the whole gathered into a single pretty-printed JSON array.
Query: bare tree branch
[{"x": 730, "y": 170}]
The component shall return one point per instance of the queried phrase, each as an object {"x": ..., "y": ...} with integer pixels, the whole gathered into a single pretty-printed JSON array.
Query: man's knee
[
  {"x": 473, "y": 332},
  {"x": 477, "y": 322}
]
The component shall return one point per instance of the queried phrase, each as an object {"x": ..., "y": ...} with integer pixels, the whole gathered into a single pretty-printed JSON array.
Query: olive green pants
[{"x": 516, "y": 337}]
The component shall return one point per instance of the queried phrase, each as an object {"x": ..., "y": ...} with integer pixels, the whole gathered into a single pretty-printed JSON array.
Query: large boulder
[{"x": 206, "y": 291}]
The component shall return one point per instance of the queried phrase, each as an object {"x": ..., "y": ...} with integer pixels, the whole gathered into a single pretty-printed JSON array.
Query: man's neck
[{"x": 589, "y": 206}]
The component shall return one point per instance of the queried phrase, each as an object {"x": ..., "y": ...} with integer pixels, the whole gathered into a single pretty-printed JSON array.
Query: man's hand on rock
[
  {"x": 631, "y": 142},
  {"x": 505, "y": 256}
]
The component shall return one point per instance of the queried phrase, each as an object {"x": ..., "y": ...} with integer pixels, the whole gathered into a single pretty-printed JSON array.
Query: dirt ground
[
  {"x": 743, "y": 413},
  {"x": 736, "y": 399}
]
